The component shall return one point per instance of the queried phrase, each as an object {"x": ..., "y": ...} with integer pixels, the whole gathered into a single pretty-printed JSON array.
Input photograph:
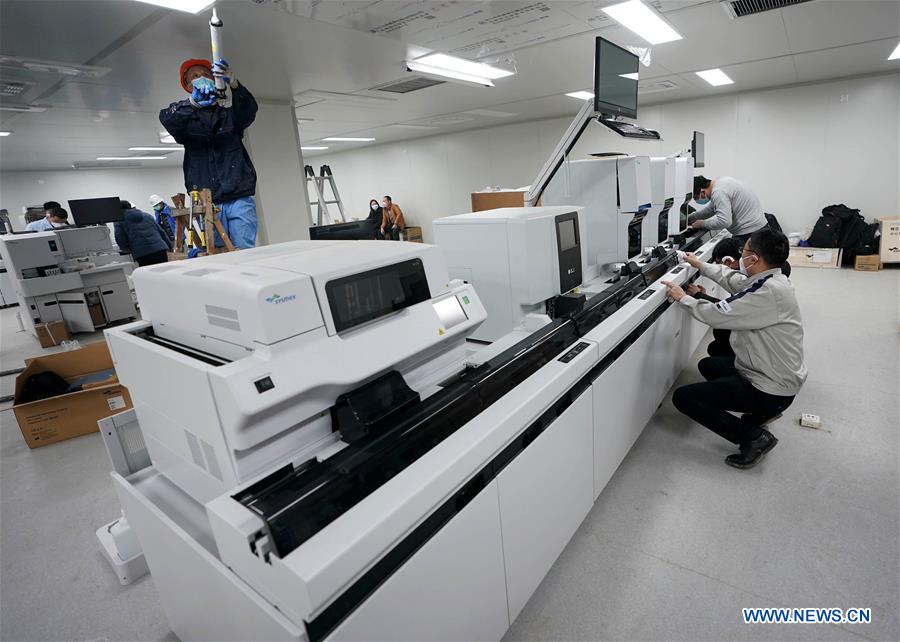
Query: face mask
[
  {"x": 374, "y": 206},
  {"x": 384, "y": 205},
  {"x": 742, "y": 267},
  {"x": 202, "y": 82},
  {"x": 702, "y": 201},
  {"x": 157, "y": 208}
]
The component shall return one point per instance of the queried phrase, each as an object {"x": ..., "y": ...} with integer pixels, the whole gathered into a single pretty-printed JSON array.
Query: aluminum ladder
[{"x": 323, "y": 215}]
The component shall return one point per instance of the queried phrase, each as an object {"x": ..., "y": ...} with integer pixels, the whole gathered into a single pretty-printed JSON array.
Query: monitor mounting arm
[{"x": 560, "y": 153}]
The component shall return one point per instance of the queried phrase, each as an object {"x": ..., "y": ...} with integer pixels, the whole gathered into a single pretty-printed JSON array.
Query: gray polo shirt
[{"x": 732, "y": 206}]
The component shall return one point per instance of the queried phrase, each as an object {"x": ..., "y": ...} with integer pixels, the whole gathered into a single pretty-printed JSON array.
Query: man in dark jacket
[
  {"x": 142, "y": 236},
  {"x": 214, "y": 152}
]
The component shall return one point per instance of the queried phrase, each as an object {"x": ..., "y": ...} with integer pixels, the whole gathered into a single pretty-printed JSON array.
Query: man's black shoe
[
  {"x": 753, "y": 453},
  {"x": 758, "y": 420}
]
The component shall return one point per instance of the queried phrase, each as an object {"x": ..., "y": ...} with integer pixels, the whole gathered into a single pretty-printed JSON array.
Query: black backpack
[
  {"x": 42, "y": 385},
  {"x": 826, "y": 232}
]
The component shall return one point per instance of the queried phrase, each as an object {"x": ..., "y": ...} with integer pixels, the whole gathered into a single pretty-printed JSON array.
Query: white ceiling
[{"x": 282, "y": 48}]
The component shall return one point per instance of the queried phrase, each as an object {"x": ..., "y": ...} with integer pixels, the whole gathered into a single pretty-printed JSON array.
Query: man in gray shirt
[
  {"x": 767, "y": 369},
  {"x": 732, "y": 205}
]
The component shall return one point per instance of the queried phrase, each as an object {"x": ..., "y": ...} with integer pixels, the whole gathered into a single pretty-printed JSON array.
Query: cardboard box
[
  {"x": 48, "y": 421},
  {"x": 52, "y": 333},
  {"x": 867, "y": 263},
  {"x": 413, "y": 234},
  {"x": 890, "y": 240},
  {"x": 491, "y": 200},
  {"x": 817, "y": 257}
]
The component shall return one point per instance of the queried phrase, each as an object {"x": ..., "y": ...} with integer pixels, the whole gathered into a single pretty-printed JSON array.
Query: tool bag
[{"x": 42, "y": 385}]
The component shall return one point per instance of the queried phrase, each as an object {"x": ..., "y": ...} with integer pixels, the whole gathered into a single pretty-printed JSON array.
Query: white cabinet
[
  {"x": 545, "y": 494},
  {"x": 74, "y": 308},
  {"x": 47, "y": 308},
  {"x": 117, "y": 301},
  {"x": 453, "y": 588}
]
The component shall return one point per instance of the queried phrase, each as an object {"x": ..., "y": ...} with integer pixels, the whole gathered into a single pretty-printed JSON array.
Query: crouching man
[{"x": 767, "y": 369}]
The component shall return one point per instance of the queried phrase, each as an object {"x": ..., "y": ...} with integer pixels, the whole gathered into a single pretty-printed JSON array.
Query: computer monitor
[
  {"x": 615, "y": 80},
  {"x": 697, "y": 149},
  {"x": 96, "y": 211}
]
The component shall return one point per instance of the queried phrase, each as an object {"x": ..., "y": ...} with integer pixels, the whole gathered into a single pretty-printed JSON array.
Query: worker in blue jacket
[
  {"x": 138, "y": 234},
  {"x": 163, "y": 216},
  {"x": 214, "y": 152}
]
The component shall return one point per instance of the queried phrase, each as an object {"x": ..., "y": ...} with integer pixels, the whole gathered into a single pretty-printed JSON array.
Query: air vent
[
  {"x": 407, "y": 85},
  {"x": 14, "y": 87},
  {"x": 741, "y": 8},
  {"x": 658, "y": 85}
]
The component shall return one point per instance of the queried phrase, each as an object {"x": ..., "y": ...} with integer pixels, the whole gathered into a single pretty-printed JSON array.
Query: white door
[
  {"x": 47, "y": 308},
  {"x": 74, "y": 309},
  {"x": 117, "y": 302}
]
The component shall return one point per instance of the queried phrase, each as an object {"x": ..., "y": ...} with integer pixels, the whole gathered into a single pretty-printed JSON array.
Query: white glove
[{"x": 221, "y": 69}]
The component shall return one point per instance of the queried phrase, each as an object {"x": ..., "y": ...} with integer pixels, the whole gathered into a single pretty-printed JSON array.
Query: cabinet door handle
[{"x": 108, "y": 292}]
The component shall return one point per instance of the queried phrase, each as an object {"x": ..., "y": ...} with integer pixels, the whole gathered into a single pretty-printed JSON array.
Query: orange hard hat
[{"x": 187, "y": 64}]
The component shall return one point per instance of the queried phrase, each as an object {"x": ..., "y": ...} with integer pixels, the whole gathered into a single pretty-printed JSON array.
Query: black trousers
[
  {"x": 152, "y": 259},
  {"x": 392, "y": 233},
  {"x": 725, "y": 390},
  {"x": 721, "y": 344}
]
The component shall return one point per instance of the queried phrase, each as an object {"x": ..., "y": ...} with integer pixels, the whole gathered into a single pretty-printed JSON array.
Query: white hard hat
[{"x": 155, "y": 198}]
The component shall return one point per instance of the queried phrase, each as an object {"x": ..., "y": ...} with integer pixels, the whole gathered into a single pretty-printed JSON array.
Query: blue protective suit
[{"x": 166, "y": 221}]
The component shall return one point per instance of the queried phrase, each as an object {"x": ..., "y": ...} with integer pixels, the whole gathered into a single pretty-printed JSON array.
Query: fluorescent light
[
  {"x": 441, "y": 74},
  {"x": 633, "y": 76},
  {"x": 130, "y": 158},
  {"x": 340, "y": 139},
  {"x": 190, "y": 6},
  {"x": 156, "y": 149},
  {"x": 166, "y": 137},
  {"x": 643, "y": 21},
  {"x": 715, "y": 77},
  {"x": 581, "y": 95},
  {"x": 5, "y": 133},
  {"x": 463, "y": 66},
  {"x": 312, "y": 147},
  {"x": 896, "y": 54}
]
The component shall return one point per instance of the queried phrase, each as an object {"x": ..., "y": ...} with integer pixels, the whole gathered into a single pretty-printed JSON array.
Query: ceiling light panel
[
  {"x": 188, "y": 6},
  {"x": 348, "y": 139},
  {"x": 130, "y": 158},
  {"x": 642, "y": 20},
  {"x": 896, "y": 54},
  {"x": 715, "y": 77},
  {"x": 463, "y": 66},
  {"x": 581, "y": 95},
  {"x": 156, "y": 149}
]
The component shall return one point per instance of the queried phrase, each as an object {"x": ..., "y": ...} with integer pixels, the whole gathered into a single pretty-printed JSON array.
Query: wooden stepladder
[{"x": 201, "y": 215}]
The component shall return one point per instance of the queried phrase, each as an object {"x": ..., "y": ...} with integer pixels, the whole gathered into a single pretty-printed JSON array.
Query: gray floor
[{"x": 674, "y": 547}]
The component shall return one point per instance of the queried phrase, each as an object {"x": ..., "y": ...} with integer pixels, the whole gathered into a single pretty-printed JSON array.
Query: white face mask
[
  {"x": 742, "y": 267},
  {"x": 374, "y": 206}
]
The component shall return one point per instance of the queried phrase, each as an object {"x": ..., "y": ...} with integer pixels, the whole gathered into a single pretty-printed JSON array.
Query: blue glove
[
  {"x": 204, "y": 93},
  {"x": 221, "y": 69}
]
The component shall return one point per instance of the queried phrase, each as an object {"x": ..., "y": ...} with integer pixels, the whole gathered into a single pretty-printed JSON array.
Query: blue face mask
[
  {"x": 203, "y": 83},
  {"x": 701, "y": 201}
]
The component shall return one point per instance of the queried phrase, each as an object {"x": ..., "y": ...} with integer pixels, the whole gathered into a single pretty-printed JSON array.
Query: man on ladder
[{"x": 214, "y": 152}]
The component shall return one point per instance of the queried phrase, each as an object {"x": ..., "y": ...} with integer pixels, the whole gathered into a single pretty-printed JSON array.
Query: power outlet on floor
[{"x": 810, "y": 420}]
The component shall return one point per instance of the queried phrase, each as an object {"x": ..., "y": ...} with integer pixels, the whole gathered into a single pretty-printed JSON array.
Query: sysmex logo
[{"x": 277, "y": 298}]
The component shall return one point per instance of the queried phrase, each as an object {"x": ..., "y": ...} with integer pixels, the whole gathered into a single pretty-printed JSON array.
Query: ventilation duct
[
  {"x": 741, "y": 8},
  {"x": 406, "y": 85}
]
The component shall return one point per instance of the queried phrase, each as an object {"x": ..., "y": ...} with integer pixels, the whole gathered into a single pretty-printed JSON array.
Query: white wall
[
  {"x": 801, "y": 148},
  {"x": 19, "y": 189}
]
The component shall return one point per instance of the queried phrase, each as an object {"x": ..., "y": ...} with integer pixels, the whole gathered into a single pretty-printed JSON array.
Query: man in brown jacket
[{"x": 392, "y": 222}]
